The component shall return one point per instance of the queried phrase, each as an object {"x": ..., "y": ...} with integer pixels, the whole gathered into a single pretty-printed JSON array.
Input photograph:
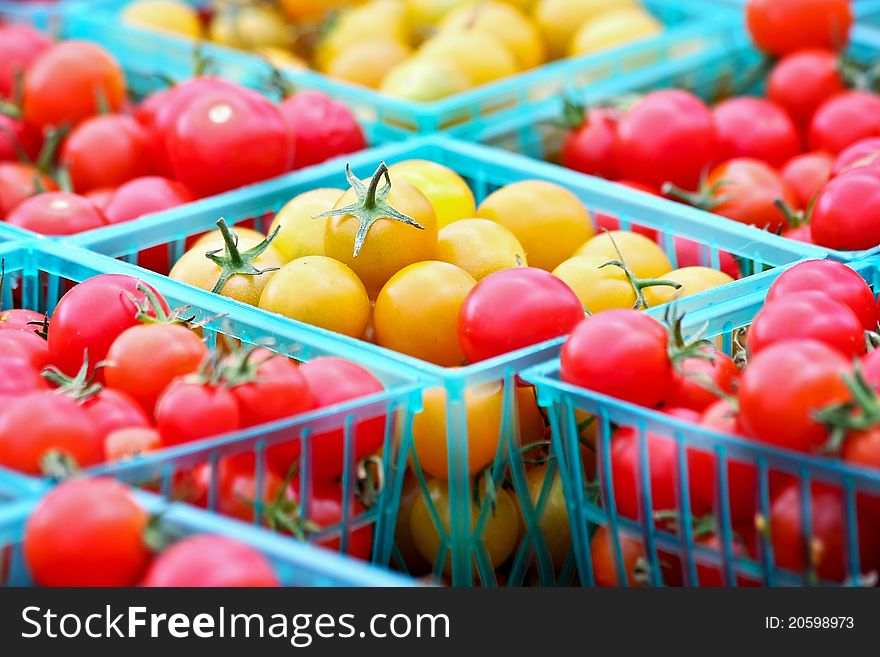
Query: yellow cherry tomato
[
  {"x": 417, "y": 312},
  {"x": 548, "y": 220},
  {"x": 426, "y": 13},
  {"x": 166, "y": 15},
  {"x": 424, "y": 80},
  {"x": 614, "y": 28},
  {"x": 598, "y": 288},
  {"x": 507, "y": 24},
  {"x": 477, "y": 54},
  {"x": 644, "y": 257},
  {"x": 480, "y": 247},
  {"x": 380, "y": 19},
  {"x": 300, "y": 234},
  {"x": 319, "y": 291},
  {"x": 693, "y": 281},
  {"x": 532, "y": 427},
  {"x": 483, "y": 408},
  {"x": 559, "y": 20},
  {"x": 246, "y": 234},
  {"x": 366, "y": 63},
  {"x": 282, "y": 59},
  {"x": 372, "y": 243},
  {"x": 250, "y": 27},
  {"x": 553, "y": 515},
  {"x": 448, "y": 192},
  {"x": 196, "y": 269},
  {"x": 498, "y": 534}
]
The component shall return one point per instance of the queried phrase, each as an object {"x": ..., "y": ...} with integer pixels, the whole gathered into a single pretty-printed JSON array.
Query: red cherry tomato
[
  {"x": 515, "y": 308},
  {"x": 783, "y": 26},
  {"x": 37, "y": 424},
  {"x": 18, "y": 182},
  {"x": 128, "y": 442},
  {"x": 21, "y": 319},
  {"x": 222, "y": 121},
  {"x": 864, "y": 153},
  {"x": 686, "y": 391},
  {"x": 106, "y": 151},
  {"x": 589, "y": 148},
  {"x": 807, "y": 174},
  {"x": 871, "y": 368},
  {"x": 803, "y": 80},
  {"x": 192, "y": 410},
  {"x": 844, "y": 119},
  {"x": 606, "y": 565},
  {"x": 57, "y": 213},
  {"x": 808, "y": 315},
  {"x": 693, "y": 254},
  {"x": 755, "y": 128},
  {"x": 274, "y": 388},
  {"x": 834, "y": 279},
  {"x": 20, "y": 46},
  {"x": 100, "y": 198},
  {"x": 64, "y": 84},
  {"x": 799, "y": 234},
  {"x": 669, "y": 126},
  {"x": 17, "y": 137},
  {"x": 87, "y": 532},
  {"x": 784, "y": 385},
  {"x": 334, "y": 381},
  {"x": 144, "y": 360},
  {"x": 210, "y": 561},
  {"x": 321, "y": 128},
  {"x": 621, "y": 353},
  {"x": 846, "y": 214},
  {"x": 112, "y": 410},
  {"x": 749, "y": 189},
  {"x": 91, "y": 316},
  {"x": 26, "y": 345},
  {"x": 20, "y": 377},
  {"x": 828, "y": 550}
]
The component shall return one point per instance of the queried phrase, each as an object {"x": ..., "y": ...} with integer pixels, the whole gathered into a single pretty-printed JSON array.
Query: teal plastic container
[
  {"x": 451, "y": 391},
  {"x": 48, "y": 16},
  {"x": 13, "y": 233},
  {"x": 38, "y": 273},
  {"x": 729, "y": 65},
  {"x": 296, "y": 563},
  {"x": 693, "y": 25},
  {"x": 591, "y": 504}
]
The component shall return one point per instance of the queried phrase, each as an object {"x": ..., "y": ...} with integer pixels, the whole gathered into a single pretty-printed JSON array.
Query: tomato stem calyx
[
  {"x": 371, "y": 205},
  {"x": 859, "y": 414},
  {"x": 81, "y": 387},
  {"x": 58, "y": 465},
  {"x": 234, "y": 262},
  {"x": 707, "y": 197},
  {"x": 638, "y": 284}
]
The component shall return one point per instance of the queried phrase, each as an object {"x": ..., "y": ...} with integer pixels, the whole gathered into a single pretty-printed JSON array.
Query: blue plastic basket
[
  {"x": 693, "y": 26},
  {"x": 47, "y": 16},
  {"x": 296, "y": 563},
  {"x": 41, "y": 272},
  {"x": 485, "y": 170},
  {"x": 731, "y": 63},
  {"x": 13, "y": 233},
  {"x": 566, "y": 404}
]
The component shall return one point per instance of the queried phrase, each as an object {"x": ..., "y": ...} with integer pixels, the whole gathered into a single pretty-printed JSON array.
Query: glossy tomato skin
[
  {"x": 755, "y": 128},
  {"x": 669, "y": 126},
  {"x": 20, "y": 46},
  {"x": 19, "y": 319},
  {"x": 223, "y": 121},
  {"x": 803, "y": 80},
  {"x": 321, "y": 128},
  {"x": 57, "y": 213},
  {"x": 834, "y": 279},
  {"x": 91, "y": 316},
  {"x": 20, "y": 376},
  {"x": 87, "y": 532},
  {"x": 846, "y": 214},
  {"x": 105, "y": 151},
  {"x": 24, "y": 344},
  {"x": 844, "y": 119},
  {"x": 210, "y": 561},
  {"x": 38, "y": 423},
  {"x": 780, "y": 27},
  {"x": 829, "y": 549},
  {"x": 15, "y": 135},
  {"x": 192, "y": 410},
  {"x": 686, "y": 392},
  {"x": 784, "y": 385},
  {"x": 808, "y": 315},
  {"x": 871, "y": 368},
  {"x": 807, "y": 174},
  {"x": 749, "y": 189},
  {"x": 17, "y": 184},
  {"x": 621, "y": 353},
  {"x": 145, "y": 359},
  {"x": 111, "y": 410},
  {"x": 279, "y": 391},
  {"x": 589, "y": 148},
  {"x": 61, "y": 86},
  {"x": 515, "y": 308},
  {"x": 605, "y": 563},
  {"x": 160, "y": 110},
  {"x": 333, "y": 381},
  {"x": 863, "y": 153}
]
